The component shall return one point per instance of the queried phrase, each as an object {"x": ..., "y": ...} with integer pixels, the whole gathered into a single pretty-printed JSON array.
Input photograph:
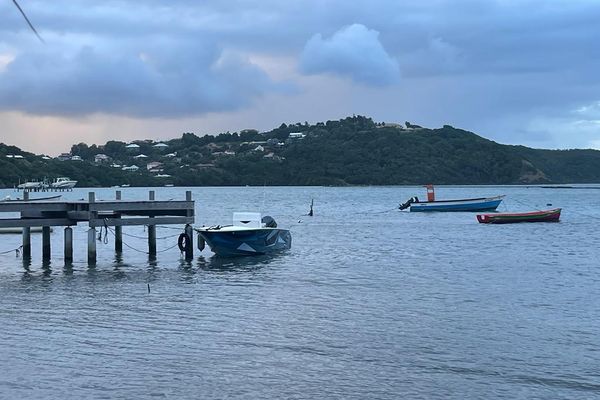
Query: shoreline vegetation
[{"x": 354, "y": 151}]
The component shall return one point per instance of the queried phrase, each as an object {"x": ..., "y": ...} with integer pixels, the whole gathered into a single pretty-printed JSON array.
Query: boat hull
[
  {"x": 480, "y": 204},
  {"x": 246, "y": 242},
  {"x": 63, "y": 183},
  {"x": 30, "y": 185},
  {"x": 512, "y": 218},
  {"x": 9, "y": 200}
]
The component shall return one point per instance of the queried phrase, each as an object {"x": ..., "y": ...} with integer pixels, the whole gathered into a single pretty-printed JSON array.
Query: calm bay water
[{"x": 370, "y": 302}]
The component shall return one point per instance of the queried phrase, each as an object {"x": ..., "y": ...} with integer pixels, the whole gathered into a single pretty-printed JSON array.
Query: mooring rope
[
  {"x": 570, "y": 210},
  {"x": 144, "y": 237},
  {"x": 525, "y": 204},
  {"x": 167, "y": 227},
  {"x": 17, "y": 251},
  {"x": 385, "y": 211},
  {"x": 143, "y": 251}
]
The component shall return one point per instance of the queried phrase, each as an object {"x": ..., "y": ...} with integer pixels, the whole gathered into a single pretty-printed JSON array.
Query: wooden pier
[{"x": 98, "y": 214}]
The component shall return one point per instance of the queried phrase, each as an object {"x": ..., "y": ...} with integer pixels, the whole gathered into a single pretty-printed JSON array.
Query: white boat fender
[
  {"x": 201, "y": 242},
  {"x": 183, "y": 242}
]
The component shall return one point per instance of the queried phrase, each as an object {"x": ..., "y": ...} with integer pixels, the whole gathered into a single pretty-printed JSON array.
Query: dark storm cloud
[
  {"x": 126, "y": 59},
  {"x": 164, "y": 79}
]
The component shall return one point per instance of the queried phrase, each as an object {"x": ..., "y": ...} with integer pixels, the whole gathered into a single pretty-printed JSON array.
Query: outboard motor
[
  {"x": 269, "y": 221},
  {"x": 407, "y": 204}
]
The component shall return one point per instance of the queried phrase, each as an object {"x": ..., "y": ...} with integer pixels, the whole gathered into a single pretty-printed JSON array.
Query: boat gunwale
[
  {"x": 235, "y": 228},
  {"x": 525, "y": 214}
]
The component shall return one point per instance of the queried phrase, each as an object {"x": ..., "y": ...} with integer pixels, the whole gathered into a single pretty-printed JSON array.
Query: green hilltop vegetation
[{"x": 351, "y": 151}]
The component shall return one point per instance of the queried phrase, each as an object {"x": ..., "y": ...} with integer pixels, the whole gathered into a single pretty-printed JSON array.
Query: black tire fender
[{"x": 183, "y": 242}]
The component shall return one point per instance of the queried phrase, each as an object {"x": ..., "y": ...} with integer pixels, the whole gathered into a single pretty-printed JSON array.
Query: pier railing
[{"x": 97, "y": 213}]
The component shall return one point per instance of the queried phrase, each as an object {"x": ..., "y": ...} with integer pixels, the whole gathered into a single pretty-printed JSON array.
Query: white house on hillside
[
  {"x": 100, "y": 158},
  {"x": 154, "y": 166}
]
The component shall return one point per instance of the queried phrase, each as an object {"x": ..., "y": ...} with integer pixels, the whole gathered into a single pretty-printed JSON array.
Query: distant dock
[
  {"x": 569, "y": 187},
  {"x": 43, "y": 189},
  {"x": 97, "y": 214}
]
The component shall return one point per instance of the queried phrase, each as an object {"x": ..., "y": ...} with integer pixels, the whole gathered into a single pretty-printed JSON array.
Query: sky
[{"x": 517, "y": 72}]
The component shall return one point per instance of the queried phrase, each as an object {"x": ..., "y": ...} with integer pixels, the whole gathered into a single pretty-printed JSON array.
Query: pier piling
[
  {"x": 189, "y": 253},
  {"x": 189, "y": 250},
  {"x": 68, "y": 244},
  {"x": 92, "y": 246},
  {"x": 118, "y": 231},
  {"x": 46, "y": 243},
  {"x": 26, "y": 235},
  {"x": 26, "y": 249},
  {"x": 151, "y": 230}
]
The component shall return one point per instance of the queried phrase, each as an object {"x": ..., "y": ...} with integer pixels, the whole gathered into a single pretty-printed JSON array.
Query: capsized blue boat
[{"x": 249, "y": 235}]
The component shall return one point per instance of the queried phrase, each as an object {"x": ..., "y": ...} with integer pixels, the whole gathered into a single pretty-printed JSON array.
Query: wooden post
[
  {"x": 189, "y": 251},
  {"x": 118, "y": 231},
  {"x": 26, "y": 233},
  {"x": 68, "y": 244},
  {"x": 26, "y": 242},
  {"x": 92, "y": 246},
  {"x": 92, "y": 232},
  {"x": 189, "y": 254},
  {"x": 46, "y": 243},
  {"x": 151, "y": 231}
]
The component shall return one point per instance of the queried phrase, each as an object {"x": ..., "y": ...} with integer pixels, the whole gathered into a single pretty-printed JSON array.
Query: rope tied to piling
[
  {"x": 109, "y": 229},
  {"x": 105, "y": 241},
  {"x": 16, "y": 250}
]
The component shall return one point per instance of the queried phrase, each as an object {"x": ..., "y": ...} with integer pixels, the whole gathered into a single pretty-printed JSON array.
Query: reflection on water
[
  {"x": 239, "y": 264},
  {"x": 119, "y": 269}
]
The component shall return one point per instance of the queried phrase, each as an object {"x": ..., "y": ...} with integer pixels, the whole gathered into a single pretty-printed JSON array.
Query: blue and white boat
[
  {"x": 249, "y": 235},
  {"x": 478, "y": 204}
]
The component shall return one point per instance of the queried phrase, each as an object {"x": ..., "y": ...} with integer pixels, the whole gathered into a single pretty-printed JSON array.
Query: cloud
[
  {"x": 353, "y": 51},
  {"x": 495, "y": 67},
  {"x": 589, "y": 111},
  {"x": 162, "y": 78}
]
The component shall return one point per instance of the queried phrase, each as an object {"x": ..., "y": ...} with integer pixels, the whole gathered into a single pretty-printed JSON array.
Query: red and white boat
[{"x": 511, "y": 218}]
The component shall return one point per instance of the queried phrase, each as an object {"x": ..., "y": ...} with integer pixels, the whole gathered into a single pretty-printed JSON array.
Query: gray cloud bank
[
  {"x": 476, "y": 63},
  {"x": 171, "y": 79}
]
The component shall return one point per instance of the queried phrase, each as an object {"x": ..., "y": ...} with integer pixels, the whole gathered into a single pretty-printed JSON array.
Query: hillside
[{"x": 352, "y": 151}]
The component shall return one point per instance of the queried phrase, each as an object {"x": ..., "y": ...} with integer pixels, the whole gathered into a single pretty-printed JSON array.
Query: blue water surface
[{"x": 370, "y": 302}]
